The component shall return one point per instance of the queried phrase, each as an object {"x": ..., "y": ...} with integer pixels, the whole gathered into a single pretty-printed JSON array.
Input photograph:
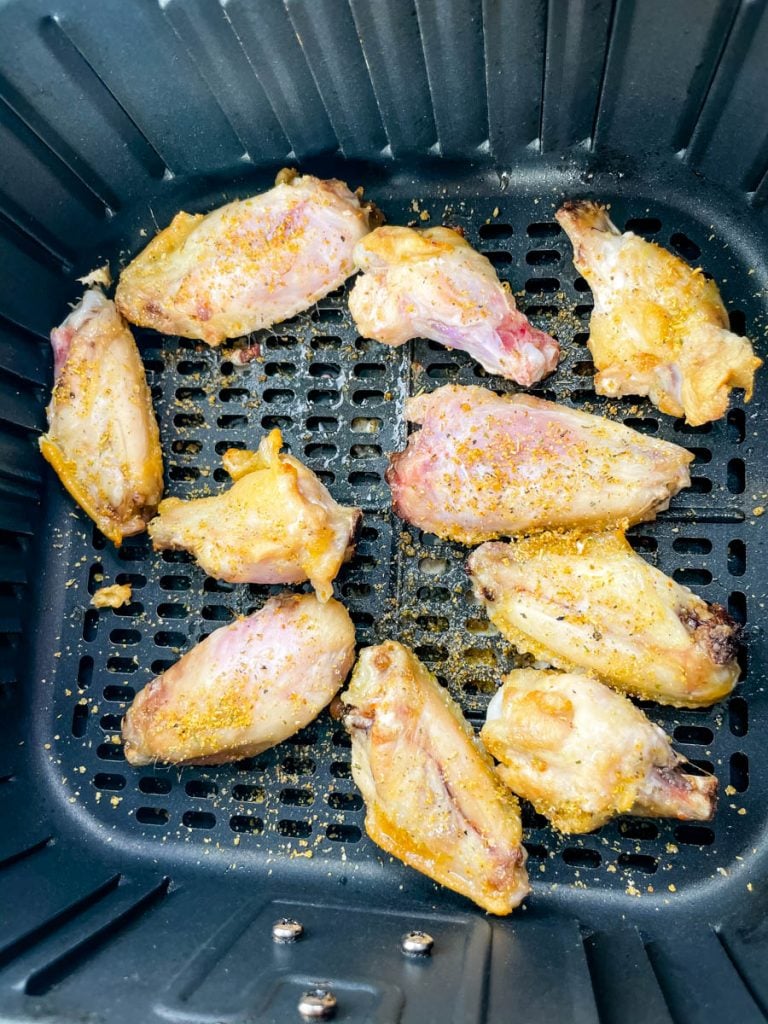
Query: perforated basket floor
[{"x": 338, "y": 400}]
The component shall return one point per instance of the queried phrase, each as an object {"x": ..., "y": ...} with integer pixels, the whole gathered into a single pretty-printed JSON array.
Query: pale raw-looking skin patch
[
  {"x": 582, "y": 753},
  {"x": 659, "y": 328}
]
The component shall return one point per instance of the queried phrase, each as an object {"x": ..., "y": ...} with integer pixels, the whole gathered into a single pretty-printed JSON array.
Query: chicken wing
[
  {"x": 658, "y": 328},
  {"x": 432, "y": 284},
  {"x": 276, "y": 524},
  {"x": 431, "y": 795},
  {"x": 246, "y": 687},
  {"x": 103, "y": 440},
  {"x": 483, "y": 466},
  {"x": 587, "y": 601},
  {"x": 248, "y": 264},
  {"x": 582, "y": 754}
]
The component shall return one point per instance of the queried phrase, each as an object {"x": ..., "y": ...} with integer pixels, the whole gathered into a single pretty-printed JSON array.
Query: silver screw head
[
  {"x": 417, "y": 943},
  {"x": 317, "y": 1004},
  {"x": 287, "y": 930}
]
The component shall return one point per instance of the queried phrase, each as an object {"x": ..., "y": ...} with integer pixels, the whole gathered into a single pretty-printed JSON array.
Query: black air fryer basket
[{"x": 141, "y": 895}]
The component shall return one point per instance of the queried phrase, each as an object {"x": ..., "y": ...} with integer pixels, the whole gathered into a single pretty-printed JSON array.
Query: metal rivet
[
  {"x": 417, "y": 943},
  {"x": 318, "y": 1004},
  {"x": 287, "y": 930}
]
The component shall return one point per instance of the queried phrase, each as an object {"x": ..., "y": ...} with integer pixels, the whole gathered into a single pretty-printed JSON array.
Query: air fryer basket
[{"x": 138, "y": 895}]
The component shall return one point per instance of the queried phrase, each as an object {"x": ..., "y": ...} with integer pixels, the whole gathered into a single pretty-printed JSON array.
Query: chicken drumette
[
  {"x": 276, "y": 524},
  {"x": 432, "y": 284},
  {"x": 581, "y": 753},
  {"x": 659, "y": 328},
  {"x": 102, "y": 438},
  {"x": 431, "y": 794}
]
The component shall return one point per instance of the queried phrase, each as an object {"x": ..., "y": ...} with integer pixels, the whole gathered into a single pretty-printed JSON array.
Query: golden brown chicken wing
[
  {"x": 587, "y": 601},
  {"x": 658, "y": 328},
  {"x": 581, "y": 753},
  {"x": 102, "y": 438},
  {"x": 431, "y": 795},
  {"x": 246, "y": 687},
  {"x": 276, "y": 524}
]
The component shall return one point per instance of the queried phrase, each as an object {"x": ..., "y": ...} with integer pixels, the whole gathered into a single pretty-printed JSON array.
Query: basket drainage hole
[
  {"x": 682, "y": 244},
  {"x": 106, "y": 780},
  {"x": 693, "y": 734},
  {"x": 79, "y": 720},
  {"x": 640, "y": 830},
  {"x": 245, "y": 823},
  {"x": 737, "y": 558},
  {"x": 249, "y": 794},
  {"x": 202, "y": 789},
  {"x": 579, "y": 858},
  {"x": 639, "y": 861},
  {"x": 343, "y": 833},
  {"x": 121, "y": 694},
  {"x": 294, "y": 829},
  {"x": 152, "y": 816},
  {"x": 198, "y": 819},
  {"x": 694, "y": 835},
  {"x": 85, "y": 672},
  {"x": 297, "y": 797},
  {"x": 739, "y": 772},
  {"x": 155, "y": 786}
]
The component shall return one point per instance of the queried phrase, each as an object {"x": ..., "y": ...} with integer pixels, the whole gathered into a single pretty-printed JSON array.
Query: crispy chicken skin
[
  {"x": 432, "y": 284},
  {"x": 659, "y": 328},
  {"x": 246, "y": 265},
  {"x": 432, "y": 798},
  {"x": 587, "y": 601},
  {"x": 102, "y": 440},
  {"x": 483, "y": 466},
  {"x": 246, "y": 687},
  {"x": 581, "y": 753},
  {"x": 276, "y": 524}
]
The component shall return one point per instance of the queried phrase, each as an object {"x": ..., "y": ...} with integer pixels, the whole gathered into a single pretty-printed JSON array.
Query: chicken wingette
[
  {"x": 484, "y": 466},
  {"x": 246, "y": 687},
  {"x": 587, "y": 601},
  {"x": 246, "y": 265},
  {"x": 432, "y": 284}
]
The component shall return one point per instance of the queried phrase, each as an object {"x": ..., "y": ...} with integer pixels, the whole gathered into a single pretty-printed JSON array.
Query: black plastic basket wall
[{"x": 133, "y": 895}]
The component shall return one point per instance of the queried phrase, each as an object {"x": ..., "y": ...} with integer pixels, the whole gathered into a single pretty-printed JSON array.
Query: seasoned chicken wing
[
  {"x": 587, "y": 601},
  {"x": 431, "y": 795},
  {"x": 246, "y": 687},
  {"x": 102, "y": 438},
  {"x": 483, "y": 466},
  {"x": 248, "y": 264},
  {"x": 276, "y": 524},
  {"x": 581, "y": 753},
  {"x": 658, "y": 328},
  {"x": 432, "y": 284}
]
